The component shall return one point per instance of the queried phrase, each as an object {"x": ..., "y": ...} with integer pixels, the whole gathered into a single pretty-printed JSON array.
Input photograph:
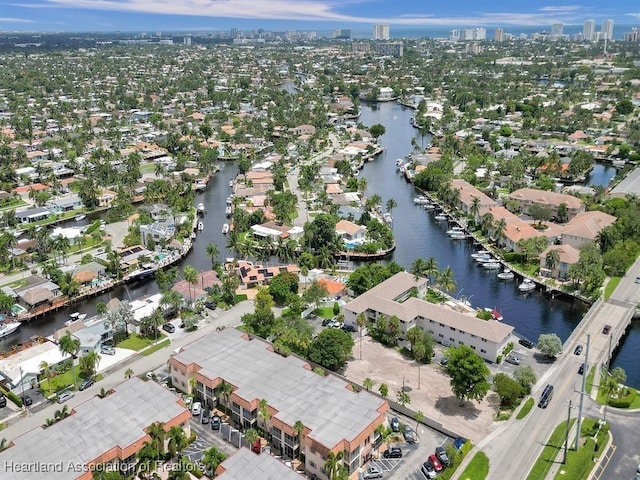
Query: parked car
[
  {"x": 393, "y": 452},
  {"x": 206, "y": 416},
  {"x": 459, "y": 442},
  {"x": 638, "y": 281},
  {"x": 107, "y": 350},
  {"x": 395, "y": 424},
  {"x": 606, "y": 329},
  {"x": 441, "y": 453},
  {"x": 26, "y": 400},
  {"x": 512, "y": 359},
  {"x": 196, "y": 408},
  {"x": 326, "y": 322},
  {"x": 578, "y": 350},
  {"x": 216, "y": 421},
  {"x": 3, "y": 401},
  {"x": 581, "y": 369},
  {"x": 64, "y": 396},
  {"x": 409, "y": 435},
  {"x": 169, "y": 327},
  {"x": 435, "y": 463},
  {"x": 428, "y": 470},
  {"x": 348, "y": 328},
  {"x": 86, "y": 383},
  {"x": 211, "y": 305},
  {"x": 372, "y": 472},
  {"x": 526, "y": 343}
]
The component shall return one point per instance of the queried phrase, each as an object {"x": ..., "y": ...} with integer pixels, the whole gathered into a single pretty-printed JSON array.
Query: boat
[
  {"x": 454, "y": 230},
  {"x": 387, "y": 218},
  {"x": 421, "y": 200},
  {"x": 201, "y": 209},
  {"x": 527, "y": 285},
  {"x": 495, "y": 314},
  {"x": 229, "y": 201},
  {"x": 8, "y": 328},
  {"x": 429, "y": 206},
  {"x": 458, "y": 236},
  {"x": 145, "y": 271},
  {"x": 484, "y": 259},
  {"x": 75, "y": 317},
  {"x": 80, "y": 217},
  {"x": 200, "y": 226},
  {"x": 492, "y": 265},
  {"x": 440, "y": 217},
  {"x": 228, "y": 211},
  {"x": 399, "y": 161},
  {"x": 225, "y": 228},
  {"x": 480, "y": 254},
  {"x": 200, "y": 186},
  {"x": 506, "y": 274},
  {"x": 231, "y": 183}
]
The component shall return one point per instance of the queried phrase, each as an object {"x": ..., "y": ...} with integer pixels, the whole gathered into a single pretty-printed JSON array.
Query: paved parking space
[{"x": 206, "y": 438}]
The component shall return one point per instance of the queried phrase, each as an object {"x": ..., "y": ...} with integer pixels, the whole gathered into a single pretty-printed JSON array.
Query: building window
[
  {"x": 452, "y": 329},
  {"x": 473, "y": 346},
  {"x": 472, "y": 335},
  {"x": 440, "y": 335},
  {"x": 312, "y": 464},
  {"x": 452, "y": 340},
  {"x": 484, "y": 340},
  {"x": 483, "y": 350},
  {"x": 460, "y": 342},
  {"x": 431, "y": 321}
]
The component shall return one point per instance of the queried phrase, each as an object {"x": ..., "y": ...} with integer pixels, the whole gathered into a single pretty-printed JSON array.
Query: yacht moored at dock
[
  {"x": 527, "y": 285},
  {"x": 225, "y": 228}
]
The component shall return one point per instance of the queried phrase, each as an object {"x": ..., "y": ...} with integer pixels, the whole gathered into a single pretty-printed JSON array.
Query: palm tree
[
  {"x": 191, "y": 276},
  {"x": 147, "y": 457},
  {"x": 446, "y": 280},
  {"x": 263, "y": 412},
  {"x": 368, "y": 383},
  {"x": 177, "y": 441},
  {"x": 361, "y": 321},
  {"x": 213, "y": 253},
  {"x": 212, "y": 458},
  {"x": 158, "y": 434},
  {"x": 552, "y": 259},
  {"x": 298, "y": 427},
  {"x": 44, "y": 368},
  {"x": 431, "y": 268},
  {"x": 89, "y": 364},
  {"x": 128, "y": 373},
  {"x": 332, "y": 464},
  {"x": 474, "y": 209},
  {"x": 251, "y": 436},
  {"x": 69, "y": 345},
  {"x": 500, "y": 229},
  {"x": 418, "y": 417},
  {"x": 225, "y": 390}
]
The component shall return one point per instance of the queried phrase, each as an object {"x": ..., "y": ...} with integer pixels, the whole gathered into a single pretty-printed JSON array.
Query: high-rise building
[
  {"x": 589, "y": 30},
  {"x": 607, "y": 29},
  {"x": 556, "y": 29},
  {"x": 454, "y": 35},
  {"x": 187, "y": 40},
  {"x": 342, "y": 34},
  {"x": 381, "y": 32},
  {"x": 498, "y": 35},
  {"x": 633, "y": 35}
]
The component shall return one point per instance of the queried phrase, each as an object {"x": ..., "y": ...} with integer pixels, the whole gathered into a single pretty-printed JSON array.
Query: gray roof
[
  {"x": 245, "y": 464},
  {"x": 630, "y": 185},
  {"x": 95, "y": 427},
  {"x": 324, "y": 404}
]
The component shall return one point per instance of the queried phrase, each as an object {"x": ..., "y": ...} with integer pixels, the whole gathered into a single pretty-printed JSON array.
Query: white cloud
[
  {"x": 636, "y": 15},
  {"x": 560, "y": 8},
  {"x": 14, "y": 20}
]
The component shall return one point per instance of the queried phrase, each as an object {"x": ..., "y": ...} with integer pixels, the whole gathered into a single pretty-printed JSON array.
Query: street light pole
[
  {"x": 582, "y": 392},
  {"x": 566, "y": 440}
]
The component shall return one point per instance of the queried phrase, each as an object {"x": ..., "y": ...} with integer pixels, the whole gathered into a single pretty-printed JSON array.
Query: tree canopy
[
  {"x": 331, "y": 348},
  {"x": 549, "y": 344},
  {"x": 468, "y": 373}
]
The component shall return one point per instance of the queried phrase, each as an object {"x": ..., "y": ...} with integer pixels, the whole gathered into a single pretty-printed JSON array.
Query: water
[
  {"x": 214, "y": 199},
  {"x": 601, "y": 175}
]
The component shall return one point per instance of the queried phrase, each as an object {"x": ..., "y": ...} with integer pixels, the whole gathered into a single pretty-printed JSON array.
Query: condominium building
[
  {"x": 589, "y": 30},
  {"x": 498, "y": 35},
  {"x": 334, "y": 417},
  {"x": 381, "y": 32},
  {"x": 99, "y": 433},
  {"x": 402, "y": 296},
  {"x": 525, "y": 198},
  {"x": 556, "y": 29},
  {"x": 607, "y": 29}
]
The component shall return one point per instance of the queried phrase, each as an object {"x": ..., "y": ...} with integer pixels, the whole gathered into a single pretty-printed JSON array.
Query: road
[
  {"x": 140, "y": 364},
  {"x": 514, "y": 446}
]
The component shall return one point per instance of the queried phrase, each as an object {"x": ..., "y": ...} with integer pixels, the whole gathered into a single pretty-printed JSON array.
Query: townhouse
[
  {"x": 585, "y": 227},
  {"x": 333, "y": 417},
  {"x": 402, "y": 296},
  {"x": 525, "y": 198},
  {"x": 468, "y": 196}
]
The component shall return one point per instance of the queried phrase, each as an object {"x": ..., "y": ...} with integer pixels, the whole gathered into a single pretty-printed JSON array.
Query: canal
[{"x": 418, "y": 235}]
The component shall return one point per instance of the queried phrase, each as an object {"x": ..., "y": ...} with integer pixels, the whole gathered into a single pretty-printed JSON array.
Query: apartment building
[
  {"x": 246, "y": 464},
  {"x": 402, "y": 296},
  {"x": 101, "y": 431},
  {"x": 334, "y": 417},
  {"x": 527, "y": 197}
]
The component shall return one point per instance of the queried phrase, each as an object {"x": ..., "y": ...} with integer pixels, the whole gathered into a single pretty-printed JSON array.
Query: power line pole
[
  {"x": 582, "y": 392},
  {"x": 566, "y": 440}
]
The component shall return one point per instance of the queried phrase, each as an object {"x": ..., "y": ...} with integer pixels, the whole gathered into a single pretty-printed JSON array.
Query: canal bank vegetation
[{"x": 612, "y": 390}]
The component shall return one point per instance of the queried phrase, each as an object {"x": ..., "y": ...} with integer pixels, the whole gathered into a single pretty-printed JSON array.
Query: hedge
[{"x": 12, "y": 396}]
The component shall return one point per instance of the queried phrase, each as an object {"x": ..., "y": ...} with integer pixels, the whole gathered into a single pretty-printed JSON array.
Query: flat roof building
[
  {"x": 246, "y": 464},
  {"x": 334, "y": 416}
]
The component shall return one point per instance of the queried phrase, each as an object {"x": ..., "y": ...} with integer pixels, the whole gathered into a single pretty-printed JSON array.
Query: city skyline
[{"x": 137, "y": 15}]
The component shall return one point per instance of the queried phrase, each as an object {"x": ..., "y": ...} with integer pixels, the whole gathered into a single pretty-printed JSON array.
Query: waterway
[{"x": 418, "y": 235}]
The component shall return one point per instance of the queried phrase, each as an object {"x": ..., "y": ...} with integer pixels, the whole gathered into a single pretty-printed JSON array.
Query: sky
[{"x": 222, "y": 15}]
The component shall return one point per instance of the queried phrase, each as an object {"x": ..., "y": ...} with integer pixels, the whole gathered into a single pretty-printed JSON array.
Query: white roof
[{"x": 29, "y": 360}]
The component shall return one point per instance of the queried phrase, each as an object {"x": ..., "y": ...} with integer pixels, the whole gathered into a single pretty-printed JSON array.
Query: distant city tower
[
  {"x": 381, "y": 32},
  {"x": 607, "y": 29},
  {"x": 556, "y": 29},
  {"x": 187, "y": 40},
  {"x": 589, "y": 30},
  {"x": 498, "y": 35}
]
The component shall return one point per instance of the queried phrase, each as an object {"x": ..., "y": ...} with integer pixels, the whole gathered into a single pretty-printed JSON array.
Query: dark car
[
  {"x": 211, "y": 305},
  {"x": 393, "y": 452},
  {"x": 86, "y": 383},
  {"x": 169, "y": 327},
  {"x": 441, "y": 453},
  {"x": 395, "y": 424},
  {"x": 206, "y": 416},
  {"x": 606, "y": 329},
  {"x": 3, "y": 401},
  {"x": 326, "y": 322},
  {"x": 526, "y": 343},
  {"x": 578, "y": 350},
  {"x": 409, "y": 435},
  {"x": 216, "y": 421},
  {"x": 459, "y": 442},
  {"x": 26, "y": 400},
  {"x": 348, "y": 328},
  {"x": 581, "y": 369}
]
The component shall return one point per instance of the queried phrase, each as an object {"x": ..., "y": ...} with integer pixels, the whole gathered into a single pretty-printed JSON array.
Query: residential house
[
  {"x": 351, "y": 232},
  {"x": 121, "y": 420},
  {"x": 68, "y": 203},
  {"x": 385, "y": 94},
  {"x": 515, "y": 229},
  {"x": 468, "y": 196},
  {"x": 36, "y": 291},
  {"x": 525, "y": 198},
  {"x": 106, "y": 198},
  {"x": 160, "y": 231},
  {"x": 334, "y": 417},
  {"x": 255, "y": 275},
  {"x": 96, "y": 331},
  {"x": 32, "y": 215},
  {"x": 276, "y": 233},
  {"x": 567, "y": 256},
  {"x": 585, "y": 227},
  {"x": 446, "y": 324},
  {"x": 19, "y": 371},
  {"x": 303, "y": 130}
]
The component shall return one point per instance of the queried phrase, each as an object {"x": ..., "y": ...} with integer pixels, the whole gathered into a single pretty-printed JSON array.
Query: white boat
[
  {"x": 399, "y": 161},
  {"x": 228, "y": 211},
  {"x": 228, "y": 200},
  {"x": 492, "y": 265},
  {"x": 484, "y": 259},
  {"x": 75, "y": 317},
  {"x": 480, "y": 254},
  {"x": 527, "y": 285},
  {"x": 200, "y": 226},
  {"x": 231, "y": 183},
  {"x": 200, "y": 186},
  {"x": 454, "y": 229},
  {"x": 201, "y": 209},
  {"x": 506, "y": 275},
  {"x": 8, "y": 328},
  {"x": 429, "y": 206},
  {"x": 421, "y": 200},
  {"x": 387, "y": 218},
  {"x": 80, "y": 217},
  {"x": 225, "y": 228},
  {"x": 458, "y": 236},
  {"x": 440, "y": 217}
]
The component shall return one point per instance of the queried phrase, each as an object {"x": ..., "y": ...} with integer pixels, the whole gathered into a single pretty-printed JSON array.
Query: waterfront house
[
  {"x": 402, "y": 296},
  {"x": 468, "y": 194},
  {"x": 162, "y": 230},
  {"x": 36, "y": 291},
  {"x": 275, "y": 233},
  {"x": 67, "y": 203},
  {"x": 19, "y": 371},
  {"x": 585, "y": 227},
  {"x": 351, "y": 232},
  {"x": 567, "y": 256},
  {"x": 515, "y": 229},
  {"x": 33, "y": 215},
  {"x": 256, "y": 275},
  {"x": 335, "y": 417},
  {"x": 527, "y": 197}
]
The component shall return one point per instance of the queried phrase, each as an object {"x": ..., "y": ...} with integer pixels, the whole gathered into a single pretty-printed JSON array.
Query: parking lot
[{"x": 207, "y": 438}]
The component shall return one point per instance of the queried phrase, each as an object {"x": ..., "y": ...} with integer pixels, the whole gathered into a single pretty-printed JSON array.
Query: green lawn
[
  {"x": 611, "y": 286},
  {"x": 59, "y": 382},
  {"x": 161, "y": 344},
  {"x": 135, "y": 342},
  {"x": 549, "y": 452},
  {"x": 324, "y": 312},
  {"x": 478, "y": 468},
  {"x": 589, "y": 382},
  {"x": 579, "y": 463},
  {"x": 526, "y": 408}
]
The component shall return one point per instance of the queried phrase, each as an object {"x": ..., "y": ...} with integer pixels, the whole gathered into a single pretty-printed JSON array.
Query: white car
[
  {"x": 512, "y": 359},
  {"x": 372, "y": 472},
  {"x": 196, "y": 408}
]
